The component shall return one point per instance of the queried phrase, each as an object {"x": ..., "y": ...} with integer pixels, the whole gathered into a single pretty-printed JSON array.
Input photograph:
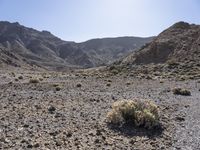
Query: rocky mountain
[
  {"x": 26, "y": 46},
  {"x": 174, "y": 51},
  {"x": 179, "y": 43}
]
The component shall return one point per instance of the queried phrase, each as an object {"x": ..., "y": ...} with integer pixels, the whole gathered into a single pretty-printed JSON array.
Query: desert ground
[{"x": 68, "y": 111}]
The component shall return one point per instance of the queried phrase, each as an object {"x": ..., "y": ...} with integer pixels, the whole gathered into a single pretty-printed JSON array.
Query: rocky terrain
[
  {"x": 175, "y": 53},
  {"x": 43, "y": 116},
  {"x": 42, "y": 109},
  {"x": 44, "y": 50}
]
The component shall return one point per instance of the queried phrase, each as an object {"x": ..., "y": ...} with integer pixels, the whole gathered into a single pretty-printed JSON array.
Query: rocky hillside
[
  {"x": 45, "y": 50},
  {"x": 104, "y": 51},
  {"x": 175, "y": 50}
]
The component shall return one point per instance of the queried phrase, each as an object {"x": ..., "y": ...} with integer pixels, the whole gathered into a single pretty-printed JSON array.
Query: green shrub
[
  {"x": 143, "y": 113},
  {"x": 180, "y": 91}
]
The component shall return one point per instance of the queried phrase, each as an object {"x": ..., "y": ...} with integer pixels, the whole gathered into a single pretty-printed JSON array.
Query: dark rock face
[
  {"x": 45, "y": 50},
  {"x": 179, "y": 43}
]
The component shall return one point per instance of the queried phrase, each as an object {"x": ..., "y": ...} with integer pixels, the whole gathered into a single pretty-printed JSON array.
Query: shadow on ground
[{"x": 130, "y": 130}]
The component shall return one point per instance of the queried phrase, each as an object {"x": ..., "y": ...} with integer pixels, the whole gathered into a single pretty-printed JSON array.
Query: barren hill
[
  {"x": 174, "y": 51},
  {"x": 45, "y": 50}
]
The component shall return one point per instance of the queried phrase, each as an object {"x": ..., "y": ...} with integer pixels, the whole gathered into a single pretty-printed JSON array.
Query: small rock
[
  {"x": 51, "y": 109},
  {"x": 180, "y": 118},
  {"x": 53, "y": 133},
  {"x": 96, "y": 141},
  {"x": 36, "y": 145},
  {"x": 68, "y": 134},
  {"x": 78, "y": 85},
  {"x": 108, "y": 84},
  {"x": 98, "y": 132},
  {"x": 58, "y": 143},
  {"x": 29, "y": 146},
  {"x": 26, "y": 126},
  {"x": 132, "y": 141}
]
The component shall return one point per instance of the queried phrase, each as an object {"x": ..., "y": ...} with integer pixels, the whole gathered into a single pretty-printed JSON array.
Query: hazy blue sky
[{"x": 80, "y": 20}]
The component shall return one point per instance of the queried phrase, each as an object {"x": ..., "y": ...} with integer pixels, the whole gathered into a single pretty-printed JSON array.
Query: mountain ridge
[
  {"x": 41, "y": 48},
  {"x": 175, "y": 52}
]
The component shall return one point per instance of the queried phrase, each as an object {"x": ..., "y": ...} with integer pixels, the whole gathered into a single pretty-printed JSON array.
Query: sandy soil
[{"x": 37, "y": 116}]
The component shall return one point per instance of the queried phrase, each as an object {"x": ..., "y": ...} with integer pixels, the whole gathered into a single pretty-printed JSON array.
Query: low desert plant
[
  {"x": 143, "y": 113},
  {"x": 56, "y": 85},
  {"x": 33, "y": 81},
  {"x": 181, "y": 91},
  {"x": 58, "y": 88},
  {"x": 172, "y": 63}
]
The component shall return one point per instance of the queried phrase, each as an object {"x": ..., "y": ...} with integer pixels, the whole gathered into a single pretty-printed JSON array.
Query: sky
[{"x": 80, "y": 20}]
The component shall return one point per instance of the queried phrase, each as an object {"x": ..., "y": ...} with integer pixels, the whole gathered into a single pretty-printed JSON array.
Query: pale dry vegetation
[{"x": 143, "y": 113}]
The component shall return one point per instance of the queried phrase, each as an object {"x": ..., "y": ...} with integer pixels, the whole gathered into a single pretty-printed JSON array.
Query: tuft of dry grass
[
  {"x": 181, "y": 91},
  {"x": 58, "y": 88},
  {"x": 143, "y": 113},
  {"x": 34, "y": 81}
]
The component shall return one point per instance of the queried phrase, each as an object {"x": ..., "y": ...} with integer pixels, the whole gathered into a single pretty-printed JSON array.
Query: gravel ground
[{"x": 37, "y": 116}]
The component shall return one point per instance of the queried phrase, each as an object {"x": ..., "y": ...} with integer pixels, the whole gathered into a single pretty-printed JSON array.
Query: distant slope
[
  {"x": 175, "y": 51},
  {"x": 48, "y": 51},
  {"x": 106, "y": 50},
  {"x": 179, "y": 43}
]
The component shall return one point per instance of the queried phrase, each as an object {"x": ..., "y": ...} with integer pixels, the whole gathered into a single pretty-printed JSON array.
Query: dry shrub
[
  {"x": 58, "y": 88},
  {"x": 181, "y": 91},
  {"x": 33, "y": 81},
  {"x": 143, "y": 113}
]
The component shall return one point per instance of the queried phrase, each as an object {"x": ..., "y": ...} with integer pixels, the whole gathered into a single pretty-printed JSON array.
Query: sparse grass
[
  {"x": 114, "y": 70},
  {"x": 181, "y": 91},
  {"x": 34, "y": 81},
  {"x": 172, "y": 63},
  {"x": 143, "y": 113},
  {"x": 56, "y": 85}
]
